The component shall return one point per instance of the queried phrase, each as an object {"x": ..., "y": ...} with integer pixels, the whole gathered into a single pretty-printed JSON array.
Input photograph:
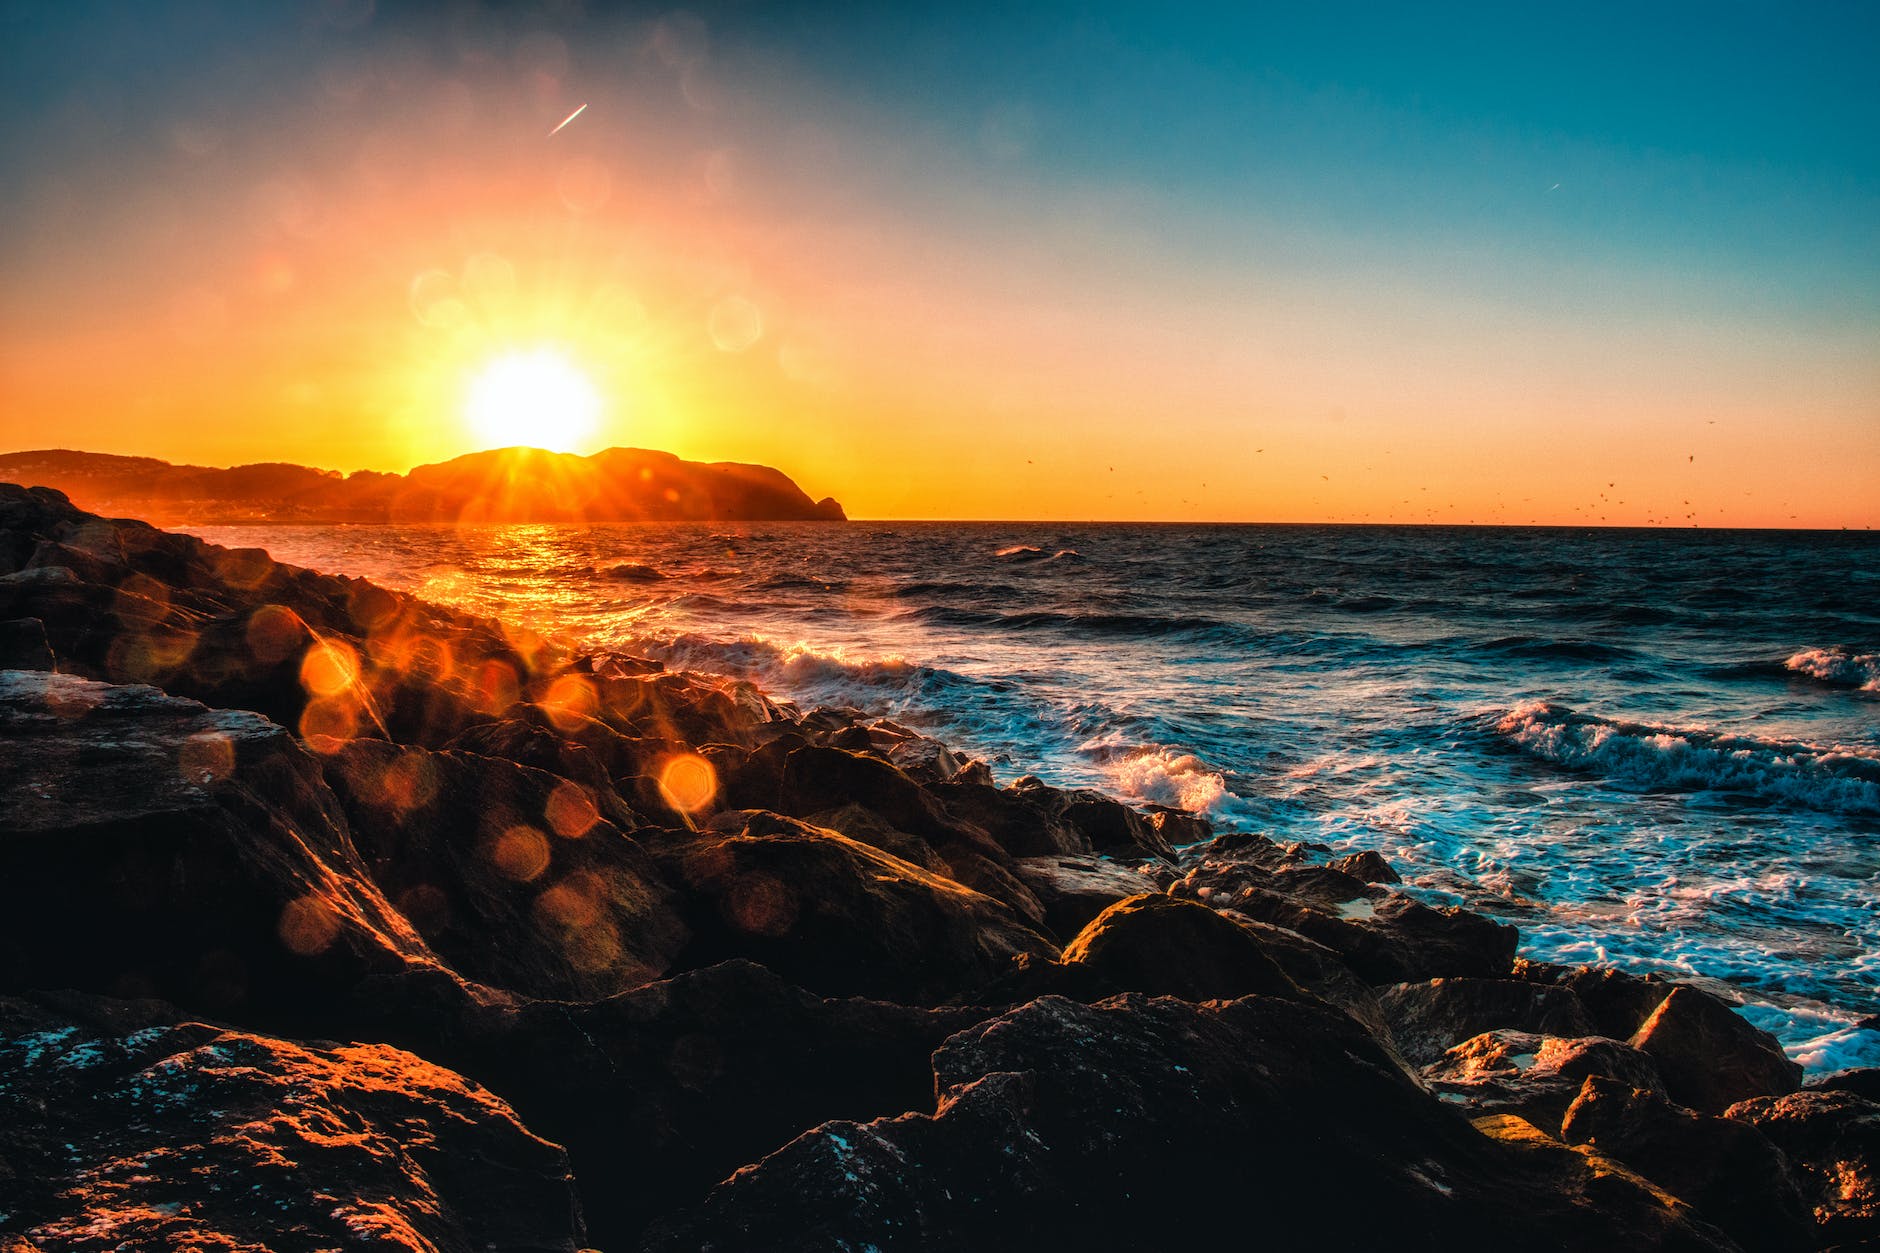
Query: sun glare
[{"x": 535, "y": 397}]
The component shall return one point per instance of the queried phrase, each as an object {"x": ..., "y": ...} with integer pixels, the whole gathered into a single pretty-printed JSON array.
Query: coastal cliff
[
  {"x": 327, "y": 914},
  {"x": 501, "y": 485}
]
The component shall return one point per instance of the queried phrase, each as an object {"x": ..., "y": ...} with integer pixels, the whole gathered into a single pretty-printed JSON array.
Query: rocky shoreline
[{"x": 334, "y": 918}]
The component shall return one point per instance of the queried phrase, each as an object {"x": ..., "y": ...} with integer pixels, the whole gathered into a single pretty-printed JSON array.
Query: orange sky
[{"x": 750, "y": 268}]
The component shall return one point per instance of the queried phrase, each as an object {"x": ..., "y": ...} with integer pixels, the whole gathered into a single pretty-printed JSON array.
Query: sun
[{"x": 535, "y": 397}]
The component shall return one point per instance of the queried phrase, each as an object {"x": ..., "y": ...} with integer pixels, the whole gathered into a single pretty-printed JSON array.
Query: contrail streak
[{"x": 571, "y": 117}]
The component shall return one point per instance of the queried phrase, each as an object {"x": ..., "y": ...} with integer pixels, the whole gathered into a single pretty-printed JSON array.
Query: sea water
[{"x": 1655, "y": 749}]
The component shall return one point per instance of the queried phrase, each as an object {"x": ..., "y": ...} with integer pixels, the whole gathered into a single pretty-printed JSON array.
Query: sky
[{"x": 1458, "y": 263}]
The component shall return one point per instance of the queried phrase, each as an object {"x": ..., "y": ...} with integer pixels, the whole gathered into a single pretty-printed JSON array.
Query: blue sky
[{"x": 1635, "y": 212}]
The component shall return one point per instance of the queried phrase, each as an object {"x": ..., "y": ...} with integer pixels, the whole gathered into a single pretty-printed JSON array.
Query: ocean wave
[
  {"x": 1535, "y": 648},
  {"x": 631, "y": 572},
  {"x": 1130, "y": 624},
  {"x": 1031, "y": 552},
  {"x": 1158, "y": 775},
  {"x": 937, "y": 588},
  {"x": 1653, "y": 757},
  {"x": 1837, "y": 667}
]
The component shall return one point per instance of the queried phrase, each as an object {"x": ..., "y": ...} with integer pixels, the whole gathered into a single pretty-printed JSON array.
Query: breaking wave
[
  {"x": 1652, "y": 757},
  {"x": 1837, "y": 667}
]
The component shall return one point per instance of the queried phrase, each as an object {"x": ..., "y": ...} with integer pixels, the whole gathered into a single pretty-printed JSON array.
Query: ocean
[{"x": 1655, "y": 749}]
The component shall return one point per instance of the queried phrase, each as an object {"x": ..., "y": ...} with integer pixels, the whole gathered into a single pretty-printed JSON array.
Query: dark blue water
[{"x": 1658, "y": 749}]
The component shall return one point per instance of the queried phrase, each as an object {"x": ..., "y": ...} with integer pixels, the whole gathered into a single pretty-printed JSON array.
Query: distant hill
[{"x": 500, "y": 485}]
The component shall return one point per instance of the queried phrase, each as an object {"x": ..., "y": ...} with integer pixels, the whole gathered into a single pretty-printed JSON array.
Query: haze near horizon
[{"x": 1101, "y": 261}]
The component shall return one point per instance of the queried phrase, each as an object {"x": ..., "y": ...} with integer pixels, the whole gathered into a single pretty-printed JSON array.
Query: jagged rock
[
  {"x": 1319, "y": 971},
  {"x": 1016, "y": 820},
  {"x": 817, "y": 779},
  {"x": 1328, "y": 889},
  {"x": 1247, "y": 847},
  {"x": 660, "y": 1092},
  {"x": 835, "y": 915},
  {"x": 1863, "y": 1082},
  {"x": 1032, "y": 819},
  {"x": 1170, "y": 947},
  {"x": 1387, "y": 938},
  {"x": 229, "y": 627},
  {"x": 1597, "y": 1182},
  {"x": 924, "y": 759},
  {"x": 23, "y": 645},
  {"x": 1074, "y": 888},
  {"x": 1710, "y": 1056},
  {"x": 969, "y": 865},
  {"x": 152, "y": 847},
  {"x": 1178, "y": 828},
  {"x": 142, "y": 1134},
  {"x": 1366, "y": 866},
  {"x": 1518, "y": 1072},
  {"x": 511, "y": 874},
  {"x": 1618, "y": 1002},
  {"x": 1063, "y": 1125},
  {"x": 679, "y": 706},
  {"x": 1427, "y": 1019},
  {"x": 1832, "y": 1139},
  {"x": 1728, "y": 1172}
]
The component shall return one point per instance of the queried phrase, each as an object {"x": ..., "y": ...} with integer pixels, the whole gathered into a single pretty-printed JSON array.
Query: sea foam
[
  {"x": 1843, "y": 669},
  {"x": 1832, "y": 779}
]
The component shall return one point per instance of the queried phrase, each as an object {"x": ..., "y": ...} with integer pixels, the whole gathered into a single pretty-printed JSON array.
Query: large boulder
[
  {"x": 1030, "y": 818},
  {"x": 1384, "y": 936},
  {"x": 836, "y": 915},
  {"x": 661, "y": 1092},
  {"x": 1832, "y": 1138},
  {"x": 512, "y": 874},
  {"x": 1166, "y": 946},
  {"x": 1729, "y": 1172},
  {"x": 1429, "y": 1018},
  {"x": 122, "y": 1127},
  {"x": 1617, "y": 1001},
  {"x": 1062, "y": 1125},
  {"x": 152, "y": 847},
  {"x": 1073, "y": 888},
  {"x": 1537, "y": 1077},
  {"x": 1710, "y": 1056}
]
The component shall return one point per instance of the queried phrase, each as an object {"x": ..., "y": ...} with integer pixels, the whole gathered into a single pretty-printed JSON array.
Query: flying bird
[{"x": 571, "y": 117}]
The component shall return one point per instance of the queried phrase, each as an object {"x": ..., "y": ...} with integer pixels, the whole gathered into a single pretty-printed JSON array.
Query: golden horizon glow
[
  {"x": 534, "y": 398},
  {"x": 736, "y": 264}
]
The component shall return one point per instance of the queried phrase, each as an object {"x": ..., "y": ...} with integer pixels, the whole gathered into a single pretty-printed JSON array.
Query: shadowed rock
[
  {"x": 661, "y": 1092},
  {"x": 136, "y": 1133},
  {"x": 1537, "y": 1077},
  {"x": 511, "y": 874},
  {"x": 152, "y": 847},
  {"x": 1385, "y": 937},
  {"x": 1710, "y": 1056},
  {"x": 1367, "y": 866},
  {"x": 1062, "y": 1125},
  {"x": 1074, "y": 888},
  {"x": 1168, "y": 947},
  {"x": 1427, "y": 1019},
  {"x": 1730, "y": 1173},
  {"x": 1833, "y": 1141},
  {"x": 835, "y": 915}
]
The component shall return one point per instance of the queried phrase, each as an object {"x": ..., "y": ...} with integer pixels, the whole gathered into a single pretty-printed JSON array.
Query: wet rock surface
[{"x": 398, "y": 877}]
